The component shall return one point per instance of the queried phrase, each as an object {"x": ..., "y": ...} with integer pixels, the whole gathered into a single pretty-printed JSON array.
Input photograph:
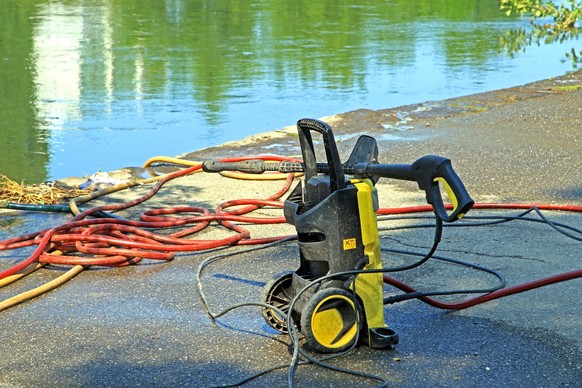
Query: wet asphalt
[{"x": 145, "y": 325}]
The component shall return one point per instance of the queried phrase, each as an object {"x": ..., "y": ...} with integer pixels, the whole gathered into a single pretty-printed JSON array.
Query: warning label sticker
[{"x": 349, "y": 243}]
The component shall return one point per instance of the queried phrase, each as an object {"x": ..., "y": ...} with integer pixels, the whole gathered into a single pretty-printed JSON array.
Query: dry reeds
[{"x": 40, "y": 194}]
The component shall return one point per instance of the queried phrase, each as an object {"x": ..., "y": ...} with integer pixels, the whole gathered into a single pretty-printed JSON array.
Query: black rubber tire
[
  {"x": 331, "y": 320},
  {"x": 274, "y": 294}
]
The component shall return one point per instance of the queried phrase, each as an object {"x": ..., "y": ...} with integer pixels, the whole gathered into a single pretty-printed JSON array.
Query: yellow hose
[
  {"x": 167, "y": 159},
  {"x": 227, "y": 174},
  {"x": 108, "y": 190},
  {"x": 17, "y": 276},
  {"x": 27, "y": 295},
  {"x": 73, "y": 205}
]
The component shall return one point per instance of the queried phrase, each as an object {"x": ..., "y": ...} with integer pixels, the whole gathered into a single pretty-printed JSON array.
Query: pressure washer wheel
[
  {"x": 275, "y": 294},
  {"x": 331, "y": 320}
]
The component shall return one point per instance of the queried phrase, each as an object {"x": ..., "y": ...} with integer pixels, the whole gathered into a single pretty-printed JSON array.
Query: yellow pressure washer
[{"x": 335, "y": 297}]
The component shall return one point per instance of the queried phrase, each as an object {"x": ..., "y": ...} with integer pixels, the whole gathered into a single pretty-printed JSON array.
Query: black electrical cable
[
  {"x": 437, "y": 239},
  {"x": 221, "y": 256},
  {"x": 415, "y": 295},
  {"x": 291, "y": 327},
  {"x": 50, "y": 209},
  {"x": 495, "y": 220},
  {"x": 293, "y": 334},
  {"x": 292, "y": 330},
  {"x": 554, "y": 225},
  {"x": 560, "y": 225}
]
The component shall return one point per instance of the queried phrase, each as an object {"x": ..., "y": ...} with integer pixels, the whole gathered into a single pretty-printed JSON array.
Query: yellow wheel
[{"x": 331, "y": 320}]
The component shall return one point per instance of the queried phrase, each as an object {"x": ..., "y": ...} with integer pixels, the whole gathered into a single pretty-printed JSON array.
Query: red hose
[
  {"x": 481, "y": 206},
  {"x": 490, "y": 296},
  {"x": 498, "y": 293},
  {"x": 114, "y": 242}
]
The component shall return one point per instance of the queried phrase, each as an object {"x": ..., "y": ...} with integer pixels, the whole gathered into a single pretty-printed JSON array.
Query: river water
[{"x": 103, "y": 84}]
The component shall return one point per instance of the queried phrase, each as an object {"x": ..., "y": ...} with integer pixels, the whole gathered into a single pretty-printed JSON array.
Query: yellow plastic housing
[{"x": 369, "y": 286}]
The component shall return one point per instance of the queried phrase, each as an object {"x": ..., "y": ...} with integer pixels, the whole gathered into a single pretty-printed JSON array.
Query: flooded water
[{"x": 103, "y": 84}]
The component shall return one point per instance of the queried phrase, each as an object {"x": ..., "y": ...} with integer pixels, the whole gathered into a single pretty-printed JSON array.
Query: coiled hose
[{"x": 110, "y": 241}]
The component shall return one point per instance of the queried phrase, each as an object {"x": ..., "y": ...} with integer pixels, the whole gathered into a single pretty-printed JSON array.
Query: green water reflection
[
  {"x": 107, "y": 84},
  {"x": 24, "y": 146}
]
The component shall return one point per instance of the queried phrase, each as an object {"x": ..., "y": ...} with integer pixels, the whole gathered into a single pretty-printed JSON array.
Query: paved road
[{"x": 146, "y": 326}]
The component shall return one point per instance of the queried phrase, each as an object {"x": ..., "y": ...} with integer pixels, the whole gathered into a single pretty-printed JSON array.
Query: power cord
[
  {"x": 410, "y": 293},
  {"x": 293, "y": 334}
]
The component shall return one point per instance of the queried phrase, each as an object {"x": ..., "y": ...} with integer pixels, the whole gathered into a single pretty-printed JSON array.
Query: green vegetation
[
  {"x": 567, "y": 88},
  {"x": 565, "y": 16},
  {"x": 549, "y": 21}
]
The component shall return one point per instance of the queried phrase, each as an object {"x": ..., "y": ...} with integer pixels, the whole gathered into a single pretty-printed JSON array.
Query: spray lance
[
  {"x": 429, "y": 172},
  {"x": 335, "y": 220}
]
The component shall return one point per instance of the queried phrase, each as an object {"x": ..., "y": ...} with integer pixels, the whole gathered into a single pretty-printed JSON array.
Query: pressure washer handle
[
  {"x": 429, "y": 172},
  {"x": 433, "y": 170}
]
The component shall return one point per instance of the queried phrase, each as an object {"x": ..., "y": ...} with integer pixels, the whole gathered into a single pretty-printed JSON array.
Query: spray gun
[{"x": 335, "y": 220}]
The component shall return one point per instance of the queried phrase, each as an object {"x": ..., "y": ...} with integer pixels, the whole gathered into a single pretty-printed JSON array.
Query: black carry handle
[
  {"x": 336, "y": 174},
  {"x": 333, "y": 167}
]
